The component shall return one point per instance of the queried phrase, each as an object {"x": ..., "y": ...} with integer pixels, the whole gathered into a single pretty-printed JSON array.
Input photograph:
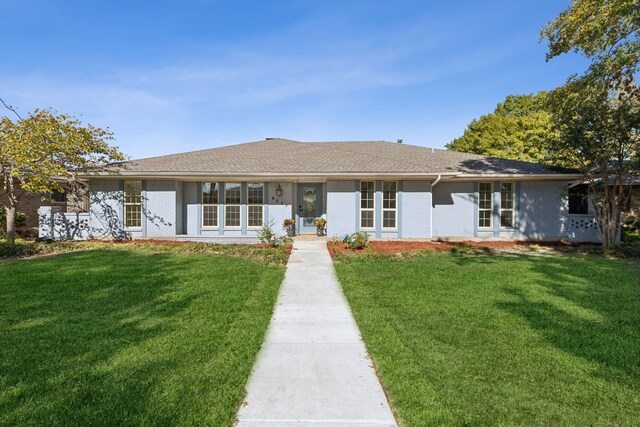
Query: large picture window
[
  {"x": 232, "y": 200},
  {"x": 389, "y": 204},
  {"x": 255, "y": 205},
  {"x": 485, "y": 205},
  {"x": 367, "y": 204},
  {"x": 133, "y": 204},
  {"x": 507, "y": 204},
  {"x": 210, "y": 196}
]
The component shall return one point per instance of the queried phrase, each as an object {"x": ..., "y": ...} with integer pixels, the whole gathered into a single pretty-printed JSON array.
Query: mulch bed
[{"x": 392, "y": 247}]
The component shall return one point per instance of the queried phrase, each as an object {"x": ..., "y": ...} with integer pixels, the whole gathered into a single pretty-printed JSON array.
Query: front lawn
[
  {"x": 501, "y": 339},
  {"x": 116, "y": 335}
]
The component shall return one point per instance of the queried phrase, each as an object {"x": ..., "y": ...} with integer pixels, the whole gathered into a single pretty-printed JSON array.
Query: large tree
[
  {"x": 599, "y": 127},
  {"x": 47, "y": 145},
  {"x": 518, "y": 129},
  {"x": 598, "y": 113}
]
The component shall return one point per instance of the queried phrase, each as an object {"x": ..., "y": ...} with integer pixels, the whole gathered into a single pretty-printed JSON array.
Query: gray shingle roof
[{"x": 287, "y": 157}]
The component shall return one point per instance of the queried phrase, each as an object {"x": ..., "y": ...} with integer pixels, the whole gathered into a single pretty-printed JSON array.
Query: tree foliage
[
  {"x": 518, "y": 129},
  {"x": 605, "y": 31},
  {"x": 47, "y": 145}
]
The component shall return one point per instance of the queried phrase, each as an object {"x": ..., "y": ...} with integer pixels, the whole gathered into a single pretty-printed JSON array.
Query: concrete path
[{"x": 313, "y": 368}]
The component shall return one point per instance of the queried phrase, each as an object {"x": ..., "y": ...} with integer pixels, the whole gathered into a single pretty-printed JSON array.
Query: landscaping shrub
[
  {"x": 21, "y": 220},
  {"x": 357, "y": 240},
  {"x": 627, "y": 249},
  {"x": 268, "y": 237}
]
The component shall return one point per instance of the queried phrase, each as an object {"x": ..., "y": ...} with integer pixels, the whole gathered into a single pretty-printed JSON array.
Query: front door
[{"x": 309, "y": 206}]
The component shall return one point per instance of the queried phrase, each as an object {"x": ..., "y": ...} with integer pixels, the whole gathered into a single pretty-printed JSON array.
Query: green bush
[
  {"x": 357, "y": 240},
  {"x": 21, "y": 220},
  {"x": 627, "y": 249}
]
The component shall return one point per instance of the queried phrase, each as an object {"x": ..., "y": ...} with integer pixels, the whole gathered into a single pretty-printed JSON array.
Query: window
[
  {"x": 232, "y": 199},
  {"x": 485, "y": 204},
  {"x": 579, "y": 199},
  {"x": 367, "y": 204},
  {"x": 133, "y": 204},
  {"x": 210, "y": 204},
  {"x": 389, "y": 204},
  {"x": 59, "y": 196},
  {"x": 507, "y": 204},
  {"x": 255, "y": 205}
]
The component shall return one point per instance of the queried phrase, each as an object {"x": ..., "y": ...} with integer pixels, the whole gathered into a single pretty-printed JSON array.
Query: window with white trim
[
  {"x": 389, "y": 204},
  {"x": 507, "y": 204},
  {"x": 485, "y": 205},
  {"x": 232, "y": 200},
  {"x": 255, "y": 205},
  {"x": 210, "y": 204},
  {"x": 367, "y": 204},
  {"x": 133, "y": 204}
]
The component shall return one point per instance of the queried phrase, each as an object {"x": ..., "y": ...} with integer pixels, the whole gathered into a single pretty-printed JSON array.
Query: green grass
[
  {"x": 123, "y": 336},
  {"x": 501, "y": 339}
]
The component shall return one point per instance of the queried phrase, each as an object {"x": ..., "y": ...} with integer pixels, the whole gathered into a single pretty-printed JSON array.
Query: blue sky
[{"x": 171, "y": 76}]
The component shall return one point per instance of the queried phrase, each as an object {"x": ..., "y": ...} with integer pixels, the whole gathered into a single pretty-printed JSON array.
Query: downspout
[{"x": 433, "y": 184}]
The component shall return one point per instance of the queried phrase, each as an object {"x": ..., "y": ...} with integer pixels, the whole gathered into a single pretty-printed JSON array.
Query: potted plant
[
  {"x": 321, "y": 225},
  {"x": 289, "y": 225}
]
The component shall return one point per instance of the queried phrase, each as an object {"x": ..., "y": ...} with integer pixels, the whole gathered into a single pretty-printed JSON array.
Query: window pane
[
  {"x": 389, "y": 219},
  {"x": 366, "y": 220},
  {"x": 255, "y": 216},
  {"x": 506, "y": 196},
  {"x": 133, "y": 215},
  {"x": 484, "y": 219},
  {"x": 133, "y": 191},
  {"x": 506, "y": 219},
  {"x": 255, "y": 194},
  {"x": 232, "y": 216},
  {"x": 210, "y": 216},
  {"x": 209, "y": 193},
  {"x": 367, "y": 195},
  {"x": 389, "y": 195},
  {"x": 232, "y": 193},
  {"x": 133, "y": 204}
]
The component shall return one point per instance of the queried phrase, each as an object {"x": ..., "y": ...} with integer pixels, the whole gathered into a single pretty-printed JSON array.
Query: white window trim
[
  {"x": 255, "y": 227},
  {"x": 124, "y": 207},
  {"x": 202, "y": 206},
  {"x": 373, "y": 209},
  {"x": 513, "y": 210},
  {"x": 209, "y": 227},
  {"x": 490, "y": 226},
  {"x": 232, "y": 227},
  {"x": 389, "y": 209}
]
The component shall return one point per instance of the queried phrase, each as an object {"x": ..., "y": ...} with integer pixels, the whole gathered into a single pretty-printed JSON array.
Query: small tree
[
  {"x": 599, "y": 126},
  {"x": 44, "y": 145}
]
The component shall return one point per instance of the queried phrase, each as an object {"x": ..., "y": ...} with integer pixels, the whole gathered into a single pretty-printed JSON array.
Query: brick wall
[{"x": 29, "y": 204}]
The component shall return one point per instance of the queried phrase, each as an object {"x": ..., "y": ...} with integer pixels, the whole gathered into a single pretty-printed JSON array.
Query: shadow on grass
[
  {"x": 116, "y": 338},
  {"x": 588, "y": 308}
]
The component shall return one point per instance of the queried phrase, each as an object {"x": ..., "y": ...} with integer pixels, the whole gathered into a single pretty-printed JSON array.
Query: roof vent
[
  {"x": 399, "y": 141},
  {"x": 269, "y": 139}
]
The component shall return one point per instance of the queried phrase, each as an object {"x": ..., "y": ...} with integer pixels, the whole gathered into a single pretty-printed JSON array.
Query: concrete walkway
[{"x": 313, "y": 368}]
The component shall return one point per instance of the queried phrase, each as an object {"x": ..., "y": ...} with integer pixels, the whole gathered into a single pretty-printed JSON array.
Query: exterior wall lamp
[{"x": 279, "y": 191}]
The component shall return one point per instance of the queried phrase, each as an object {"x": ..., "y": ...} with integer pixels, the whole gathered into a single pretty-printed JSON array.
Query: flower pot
[
  {"x": 320, "y": 233},
  {"x": 291, "y": 232}
]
